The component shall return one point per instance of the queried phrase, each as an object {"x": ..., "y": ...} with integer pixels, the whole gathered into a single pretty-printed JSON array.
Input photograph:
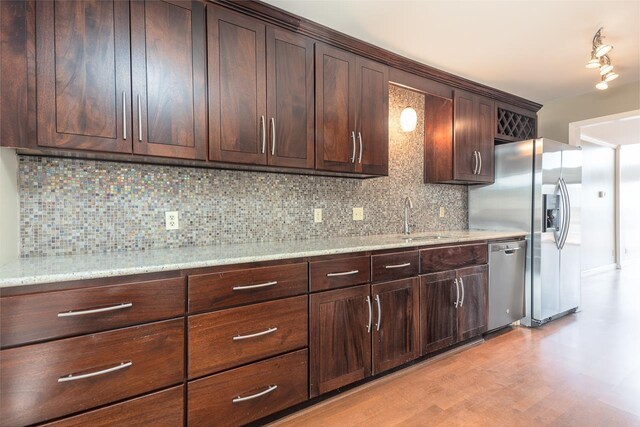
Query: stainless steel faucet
[{"x": 408, "y": 204}]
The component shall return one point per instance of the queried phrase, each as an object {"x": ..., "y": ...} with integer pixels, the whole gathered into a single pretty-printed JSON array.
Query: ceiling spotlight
[
  {"x": 610, "y": 76},
  {"x": 602, "y": 85},
  {"x": 599, "y": 47}
]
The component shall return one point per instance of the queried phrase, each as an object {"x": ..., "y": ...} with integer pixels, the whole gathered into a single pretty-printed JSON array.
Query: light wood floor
[{"x": 582, "y": 370}]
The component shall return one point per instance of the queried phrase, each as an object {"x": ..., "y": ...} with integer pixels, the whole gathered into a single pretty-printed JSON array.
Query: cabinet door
[
  {"x": 486, "y": 124},
  {"x": 396, "y": 325},
  {"x": 168, "y": 49},
  {"x": 237, "y": 87},
  {"x": 438, "y": 314},
  {"x": 472, "y": 309},
  {"x": 335, "y": 109},
  {"x": 464, "y": 136},
  {"x": 290, "y": 99},
  {"x": 83, "y": 75},
  {"x": 339, "y": 344},
  {"x": 373, "y": 117}
]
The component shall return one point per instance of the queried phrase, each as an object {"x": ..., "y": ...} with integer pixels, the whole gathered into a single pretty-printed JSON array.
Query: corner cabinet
[
  {"x": 352, "y": 112},
  {"x": 459, "y": 139},
  {"x": 260, "y": 92},
  {"x": 132, "y": 82}
]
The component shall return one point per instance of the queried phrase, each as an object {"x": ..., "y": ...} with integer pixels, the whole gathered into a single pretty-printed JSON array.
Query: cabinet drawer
[
  {"x": 231, "y": 288},
  {"x": 161, "y": 409},
  {"x": 338, "y": 273},
  {"x": 394, "y": 266},
  {"x": 228, "y": 338},
  {"x": 45, "y": 316},
  {"x": 246, "y": 394},
  {"x": 44, "y": 381},
  {"x": 452, "y": 257}
]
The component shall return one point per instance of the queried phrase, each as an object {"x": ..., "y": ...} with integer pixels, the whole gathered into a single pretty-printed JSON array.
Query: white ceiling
[
  {"x": 535, "y": 49},
  {"x": 624, "y": 131}
]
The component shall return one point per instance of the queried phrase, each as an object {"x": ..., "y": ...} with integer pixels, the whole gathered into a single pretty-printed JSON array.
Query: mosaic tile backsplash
[{"x": 70, "y": 206}]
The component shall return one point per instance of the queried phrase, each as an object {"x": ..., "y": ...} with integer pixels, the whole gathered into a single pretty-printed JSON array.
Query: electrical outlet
[
  {"x": 171, "y": 220},
  {"x": 317, "y": 215},
  {"x": 358, "y": 214},
  {"x": 441, "y": 211}
]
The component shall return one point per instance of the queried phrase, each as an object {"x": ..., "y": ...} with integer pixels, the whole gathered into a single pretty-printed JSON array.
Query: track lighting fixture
[{"x": 601, "y": 60}]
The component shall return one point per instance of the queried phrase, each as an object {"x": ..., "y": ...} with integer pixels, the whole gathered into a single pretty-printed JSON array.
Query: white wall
[
  {"x": 555, "y": 116},
  {"x": 630, "y": 203},
  {"x": 598, "y": 213},
  {"x": 9, "y": 229}
]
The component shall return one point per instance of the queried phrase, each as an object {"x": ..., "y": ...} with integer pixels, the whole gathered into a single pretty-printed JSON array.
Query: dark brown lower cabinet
[
  {"x": 395, "y": 339},
  {"x": 339, "y": 343},
  {"x": 248, "y": 393},
  {"x": 453, "y": 306},
  {"x": 359, "y": 331}
]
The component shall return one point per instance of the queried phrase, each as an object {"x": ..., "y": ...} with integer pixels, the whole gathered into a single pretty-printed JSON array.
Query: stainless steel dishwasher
[{"x": 506, "y": 282}]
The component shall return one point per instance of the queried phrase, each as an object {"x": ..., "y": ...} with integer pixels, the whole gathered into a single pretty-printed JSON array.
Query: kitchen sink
[{"x": 430, "y": 237}]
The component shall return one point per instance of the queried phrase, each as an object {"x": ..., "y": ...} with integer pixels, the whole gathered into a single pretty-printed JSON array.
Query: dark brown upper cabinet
[
  {"x": 169, "y": 89},
  {"x": 260, "y": 92},
  {"x": 352, "y": 113},
  {"x": 459, "y": 139},
  {"x": 83, "y": 75}
]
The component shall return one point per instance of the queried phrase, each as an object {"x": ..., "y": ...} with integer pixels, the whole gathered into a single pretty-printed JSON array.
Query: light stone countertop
[{"x": 32, "y": 271}]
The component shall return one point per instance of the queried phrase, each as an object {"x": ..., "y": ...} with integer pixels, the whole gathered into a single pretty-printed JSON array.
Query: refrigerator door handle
[
  {"x": 566, "y": 215},
  {"x": 557, "y": 233}
]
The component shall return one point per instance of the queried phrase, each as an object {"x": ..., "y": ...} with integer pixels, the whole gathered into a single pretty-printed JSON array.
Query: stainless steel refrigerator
[{"x": 537, "y": 190}]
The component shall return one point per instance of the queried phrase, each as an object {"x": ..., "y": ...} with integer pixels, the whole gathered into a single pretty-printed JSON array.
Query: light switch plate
[
  {"x": 441, "y": 211},
  {"x": 358, "y": 214},
  {"x": 317, "y": 215},
  {"x": 171, "y": 220}
]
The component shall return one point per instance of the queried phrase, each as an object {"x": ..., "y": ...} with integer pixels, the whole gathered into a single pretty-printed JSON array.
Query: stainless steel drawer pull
[
  {"x": 353, "y": 155},
  {"x": 379, "y": 313},
  {"x": 264, "y": 133},
  {"x": 124, "y": 115},
  {"x": 273, "y": 136},
  {"x": 343, "y": 273},
  {"x": 370, "y": 314},
  {"x": 462, "y": 286},
  {"x": 261, "y": 285},
  {"x": 455, "y": 304},
  {"x": 72, "y": 313},
  {"x": 406, "y": 264},
  {"x": 360, "y": 155},
  {"x": 257, "y": 334},
  {"x": 71, "y": 377},
  {"x": 139, "y": 119},
  {"x": 253, "y": 396}
]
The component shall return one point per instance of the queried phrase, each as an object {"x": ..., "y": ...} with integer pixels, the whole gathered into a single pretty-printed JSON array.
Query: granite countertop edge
[{"x": 34, "y": 271}]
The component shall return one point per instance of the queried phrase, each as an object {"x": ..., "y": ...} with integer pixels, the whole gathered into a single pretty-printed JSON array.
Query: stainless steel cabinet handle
[
  {"x": 261, "y": 285},
  {"x": 257, "y": 334},
  {"x": 353, "y": 155},
  {"x": 462, "y": 286},
  {"x": 455, "y": 304},
  {"x": 124, "y": 115},
  {"x": 360, "y": 140},
  {"x": 273, "y": 136},
  {"x": 343, "y": 273},
  {"x": 139, "y": 119},
  {"x": 264, "y": 134},
  {"x": 253, "y": 396},
  {"x": 379, "y": 313},
  {"x": 475, "y": 162},
  {"x": 370, "y": 314},
  {"x": 72, "y": 313},
  {"x": 479, "y": 163},
  {"x": 72, "y": 377},
  {"x": 406, "y": 264},
  {"x": 566, "y": 215}
]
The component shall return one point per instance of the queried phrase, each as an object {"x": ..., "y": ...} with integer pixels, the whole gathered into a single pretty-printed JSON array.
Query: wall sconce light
[{"x": 408, "y": 119}]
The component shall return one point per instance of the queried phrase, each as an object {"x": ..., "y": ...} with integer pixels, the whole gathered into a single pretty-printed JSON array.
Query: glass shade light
[
  {"x": 605, "y": 69},
  {"x": 408, "y": 119},
  {"x": 602, "y": 85},
  {"x": 610, "y": 76},
  {"x": 603, "y": 49}
]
